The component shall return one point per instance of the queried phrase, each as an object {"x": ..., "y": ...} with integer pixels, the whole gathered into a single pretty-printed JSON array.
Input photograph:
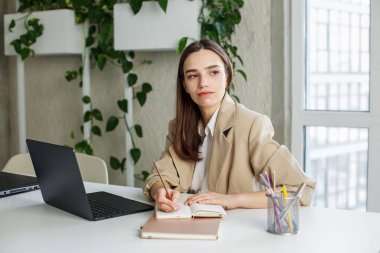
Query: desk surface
[{"x": 27, "y": 224}]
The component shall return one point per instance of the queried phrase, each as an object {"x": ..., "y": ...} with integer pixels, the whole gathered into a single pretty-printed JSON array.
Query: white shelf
[
  {"x": 61, "y": 34},
  {"x": 152, "y": 29}
]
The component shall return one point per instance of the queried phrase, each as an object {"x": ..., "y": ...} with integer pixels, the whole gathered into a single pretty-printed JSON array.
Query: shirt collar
[{"x": 211, "y": 123}]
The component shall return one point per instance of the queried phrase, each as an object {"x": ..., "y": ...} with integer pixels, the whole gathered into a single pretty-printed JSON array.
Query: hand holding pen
[{"x": 165, "y": 197}]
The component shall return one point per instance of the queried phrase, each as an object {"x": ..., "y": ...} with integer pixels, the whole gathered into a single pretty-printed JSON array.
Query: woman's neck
[{"x": 207, "y": 113}]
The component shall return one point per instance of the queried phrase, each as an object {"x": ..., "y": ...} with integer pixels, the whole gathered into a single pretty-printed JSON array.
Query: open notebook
[
  {"x": 195, "y": 210},
  {"x": 184, "y": 223}
]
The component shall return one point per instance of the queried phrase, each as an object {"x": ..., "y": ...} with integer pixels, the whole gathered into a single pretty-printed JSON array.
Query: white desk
[{"x": 29, "y": 225}]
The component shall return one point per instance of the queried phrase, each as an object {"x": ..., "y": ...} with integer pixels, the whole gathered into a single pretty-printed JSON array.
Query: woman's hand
[
  {"x": 166, "y": 202},
  {"x": 226, "y": 201}
]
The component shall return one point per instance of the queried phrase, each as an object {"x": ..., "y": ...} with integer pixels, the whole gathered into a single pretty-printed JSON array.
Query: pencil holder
[{"x": 283, "y": 214}]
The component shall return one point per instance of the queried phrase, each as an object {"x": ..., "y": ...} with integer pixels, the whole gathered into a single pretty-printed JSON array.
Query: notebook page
[
  {"x": 183, "y": 212},
  {"x": 206, "y": 210}
]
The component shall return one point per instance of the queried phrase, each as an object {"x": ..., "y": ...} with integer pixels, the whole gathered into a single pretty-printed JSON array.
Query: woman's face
[{"x": 205, "y": 79}]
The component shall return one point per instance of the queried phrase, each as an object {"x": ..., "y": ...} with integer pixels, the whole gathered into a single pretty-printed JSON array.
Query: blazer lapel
[{"x": 221, "y": 143}]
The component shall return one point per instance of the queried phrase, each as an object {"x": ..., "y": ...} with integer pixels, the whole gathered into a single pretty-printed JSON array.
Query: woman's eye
[
  {"x": 192, "y": 76},
  {"x": 215, "y": 72}
]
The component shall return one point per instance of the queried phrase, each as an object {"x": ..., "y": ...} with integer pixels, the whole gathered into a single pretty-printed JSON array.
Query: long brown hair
[{"x": 186, "y": 137}]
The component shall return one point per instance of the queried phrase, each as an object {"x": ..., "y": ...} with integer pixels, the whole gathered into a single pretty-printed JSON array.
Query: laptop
[
  {"x": 11, "y": 184},
  {"x": 62, "y": 186}
]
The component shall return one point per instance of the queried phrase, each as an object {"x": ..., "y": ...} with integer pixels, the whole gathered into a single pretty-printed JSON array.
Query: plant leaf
[
  {"x": 72, "y": 135},
  {"x": 114, "y": 162},
  {"x": 138, "y": 130},
  {"x": 87, "y": 116},
  {"x": 136, "y": 5},
  {"x": 101, "y": 61},
  {"x": 80, "y": 146},
  {"x": 112, "y": 123},
  {"x": 135, "y": 154},
  {"x": 240, "y": 59},
  {"x": 16, "y": 45},
  {"x": 163, "y": 4},
  {"x": 69, "y": 3},
  {"x": 84, "y": 147},
  {"x": 97, "y": 114},
  {"x": 145, "y": 174},
  {"x": 123, "y": 105},
  {"x": 11, "y": 25},
  {"x": 146, "y": 87},
  {"x": 182, "y": 44},
  {"x": 25, "y": 53},
  {"x": 141, "y": 97},
  {"x": 131, "y": 54},
  {"x": 127, "y": 66},
  {"x": 92, "y": 29},
  {"x": 86, "y": 99},
  {"x": 243, "y": 74},
  {"x": 142, "y": 176},
  {"x": 71, "y": 75},
  {"x": 96, "y": 130},
  {"x": 88, "y": 150},
  {"x": 96, "y": 15},
  {"x": 90, "y": 40},
  {"x": 132, "y": 79}
]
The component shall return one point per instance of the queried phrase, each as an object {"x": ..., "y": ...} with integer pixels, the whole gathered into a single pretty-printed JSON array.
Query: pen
[
  {"x": 292, "y": 202},
  {"x": 162, "y": 181},
  {"x": 268, "y": 180},
  {"x": 275, "y": 207},
  {"x": 267, "y": 184},
  {"x": 285, "y": 194}
]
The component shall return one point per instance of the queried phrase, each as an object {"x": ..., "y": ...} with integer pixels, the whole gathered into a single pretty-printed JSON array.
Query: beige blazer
[{"x": 242, "y": 149}]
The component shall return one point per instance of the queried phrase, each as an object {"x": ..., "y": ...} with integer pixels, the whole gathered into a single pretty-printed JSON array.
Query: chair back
[{"x": 92, "y": 168}]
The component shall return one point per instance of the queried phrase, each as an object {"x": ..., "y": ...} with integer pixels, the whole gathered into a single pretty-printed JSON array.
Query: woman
[{"x": 216, "y": 147}]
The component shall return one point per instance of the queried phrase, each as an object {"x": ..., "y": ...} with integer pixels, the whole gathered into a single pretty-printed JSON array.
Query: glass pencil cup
[{"x": 283, "y": 214}]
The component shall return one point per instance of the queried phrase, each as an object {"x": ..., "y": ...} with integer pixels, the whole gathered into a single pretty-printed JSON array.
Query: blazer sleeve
[
  {"x": 267, "y": 155},
  {"x": 166, "y": 166}
]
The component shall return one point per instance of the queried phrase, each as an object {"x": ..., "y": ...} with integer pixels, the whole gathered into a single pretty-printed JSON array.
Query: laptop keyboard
[{"x": 101, "y": 210}]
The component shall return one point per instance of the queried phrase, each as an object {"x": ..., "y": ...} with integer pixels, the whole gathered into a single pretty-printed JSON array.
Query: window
[{"x": 336, "y": 121}]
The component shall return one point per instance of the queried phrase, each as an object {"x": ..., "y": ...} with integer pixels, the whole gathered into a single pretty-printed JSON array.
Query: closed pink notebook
[{"x": 194, "y": 228}]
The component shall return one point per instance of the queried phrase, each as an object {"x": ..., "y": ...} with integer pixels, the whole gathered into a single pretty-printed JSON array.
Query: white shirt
[{"x": 199, "y": 182}]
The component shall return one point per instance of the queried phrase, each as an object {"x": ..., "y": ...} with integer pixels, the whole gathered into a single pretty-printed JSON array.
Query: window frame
[{"x": 302, "y": 118}]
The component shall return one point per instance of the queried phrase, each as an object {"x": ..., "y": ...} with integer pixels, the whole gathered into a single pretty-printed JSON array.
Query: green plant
[
  {"x": 91, "y": 115},
  {"x": 34, "y": 29},
  {"x": 113, "y": 122},
  {"x": 100, "y": 40}
]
